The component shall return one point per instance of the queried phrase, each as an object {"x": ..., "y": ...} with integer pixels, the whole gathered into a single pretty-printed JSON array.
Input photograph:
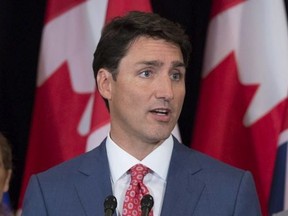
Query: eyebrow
[{"x": 159, "y": 64}]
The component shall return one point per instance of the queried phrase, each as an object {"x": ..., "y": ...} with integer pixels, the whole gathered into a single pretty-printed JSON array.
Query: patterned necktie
[{"x": 135, "y": 191}]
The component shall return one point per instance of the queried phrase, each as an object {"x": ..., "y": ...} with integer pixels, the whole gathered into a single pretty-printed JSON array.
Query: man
[{"x": 139, "y": 66}]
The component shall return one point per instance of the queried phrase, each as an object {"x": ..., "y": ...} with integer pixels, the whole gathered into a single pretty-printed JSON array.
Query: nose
[{"x": 164, "y": 89}]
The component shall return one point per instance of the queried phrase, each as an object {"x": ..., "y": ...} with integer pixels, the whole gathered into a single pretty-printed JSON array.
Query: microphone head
[
  {"x": 110, "y": 203},
  {"x": 147, "y": 202}
]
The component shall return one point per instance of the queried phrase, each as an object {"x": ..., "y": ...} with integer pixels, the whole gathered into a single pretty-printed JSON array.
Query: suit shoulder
[
  {"x": 208, "y": 163},
  {"x": 225, "y": 188},
  {"x": 213, "y": 163},
  {"x": 70, "y": 167}
]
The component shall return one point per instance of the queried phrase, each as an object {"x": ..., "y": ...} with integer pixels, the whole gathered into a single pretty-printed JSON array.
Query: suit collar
[{"x": 183, "y": 189}]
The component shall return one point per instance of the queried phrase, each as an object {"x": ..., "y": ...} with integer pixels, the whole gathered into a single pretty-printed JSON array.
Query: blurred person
[
  {"x": 5, "y": 172},
  {"x": 140, "y": 65}
]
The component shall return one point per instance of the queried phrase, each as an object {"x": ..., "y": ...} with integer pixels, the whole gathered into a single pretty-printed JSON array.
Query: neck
[{"x": 135, "y": 147}]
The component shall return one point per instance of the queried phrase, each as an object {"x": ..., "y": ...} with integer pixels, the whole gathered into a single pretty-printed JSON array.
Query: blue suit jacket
[{"x": 196, "y": 185}]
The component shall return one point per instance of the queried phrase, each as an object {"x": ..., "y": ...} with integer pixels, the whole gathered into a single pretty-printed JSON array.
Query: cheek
[
  {"x": 125, "y": 99},
  {"x": 131, "y": 93},
  {"x": 179, "y": 95},
  {"x": 133, "y": 101}
]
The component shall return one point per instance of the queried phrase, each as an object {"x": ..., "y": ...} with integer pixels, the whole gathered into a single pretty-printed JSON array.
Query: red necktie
[{"x": 135, "y": 191}]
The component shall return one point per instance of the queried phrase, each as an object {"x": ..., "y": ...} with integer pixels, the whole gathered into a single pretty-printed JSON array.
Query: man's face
[{"x": 147, "y": 97}]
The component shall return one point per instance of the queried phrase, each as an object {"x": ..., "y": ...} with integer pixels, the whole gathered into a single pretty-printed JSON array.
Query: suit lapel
[
  {"x": 93, "y": 182},
  {"x": 183, "y": 189}
]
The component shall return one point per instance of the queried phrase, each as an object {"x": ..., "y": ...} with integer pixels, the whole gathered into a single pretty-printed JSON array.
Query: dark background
[{"x": 21, "y": 25}]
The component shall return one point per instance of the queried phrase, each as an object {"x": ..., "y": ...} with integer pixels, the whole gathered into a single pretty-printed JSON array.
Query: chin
[
  {"x": 157, "y": 133},
  {"x": 156, "y": 138}
]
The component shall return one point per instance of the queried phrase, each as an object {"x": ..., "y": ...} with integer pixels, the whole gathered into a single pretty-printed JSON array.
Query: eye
[
  {"x": 146, "y": 74},
  {"x": 176, "y": 76}
]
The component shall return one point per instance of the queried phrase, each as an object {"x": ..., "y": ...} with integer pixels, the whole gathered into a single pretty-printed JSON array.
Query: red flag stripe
[
  {"x": 223, "y": 5},
  {"x": 118, "y": 8},
  {"x": 56, "y": 8}
]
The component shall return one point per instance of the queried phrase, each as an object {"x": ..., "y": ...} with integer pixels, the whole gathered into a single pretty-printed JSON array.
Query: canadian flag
[
  {"x": 242, "y": 113},
  {"x": 69, "y": 116}
]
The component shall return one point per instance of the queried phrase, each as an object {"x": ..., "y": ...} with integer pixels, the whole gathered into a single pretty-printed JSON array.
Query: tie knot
[
  {"x": 138, "y": 172},
  {"x": 136, "y": 190}
]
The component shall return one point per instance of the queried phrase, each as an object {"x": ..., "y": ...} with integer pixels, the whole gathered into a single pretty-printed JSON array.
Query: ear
[
  {"x": 104, "y": 79},
  {"x": 7, "y": 180}
]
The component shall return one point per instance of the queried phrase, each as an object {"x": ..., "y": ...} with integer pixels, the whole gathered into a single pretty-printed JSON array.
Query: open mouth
[{"x": 163, "y": 112}]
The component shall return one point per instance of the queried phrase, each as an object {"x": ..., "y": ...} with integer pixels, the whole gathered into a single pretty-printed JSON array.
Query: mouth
[{"x": 161, "y": 111}]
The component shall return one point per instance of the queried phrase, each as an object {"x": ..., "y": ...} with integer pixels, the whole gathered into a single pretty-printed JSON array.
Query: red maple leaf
[
  {"x": 56, "y": 116},
  {"x": 54, "y": 137},
  {"x": 220, "y": 132}
]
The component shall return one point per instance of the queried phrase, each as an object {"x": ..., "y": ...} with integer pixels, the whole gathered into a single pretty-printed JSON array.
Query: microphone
[
  {"x": 147, "y": 203},
  {"x": 110, "y": 205}
]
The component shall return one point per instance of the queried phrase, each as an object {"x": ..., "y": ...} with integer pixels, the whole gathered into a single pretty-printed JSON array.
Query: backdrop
[{"x": 21, "y": 24}]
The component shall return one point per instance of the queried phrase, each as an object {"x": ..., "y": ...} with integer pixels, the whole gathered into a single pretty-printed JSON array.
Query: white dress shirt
[{"x": 157, "y": 161}]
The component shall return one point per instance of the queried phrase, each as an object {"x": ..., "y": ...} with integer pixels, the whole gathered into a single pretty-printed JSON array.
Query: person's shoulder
[
  {"x": 208, "y": 163},
  {"x": 213, "y": 171},
  {"x": 211, "y": 163},
  {"x": 70, "y": 166}
]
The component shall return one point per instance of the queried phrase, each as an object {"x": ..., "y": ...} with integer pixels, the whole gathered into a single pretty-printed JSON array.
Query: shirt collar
[{"x": 120, "y": 161}]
